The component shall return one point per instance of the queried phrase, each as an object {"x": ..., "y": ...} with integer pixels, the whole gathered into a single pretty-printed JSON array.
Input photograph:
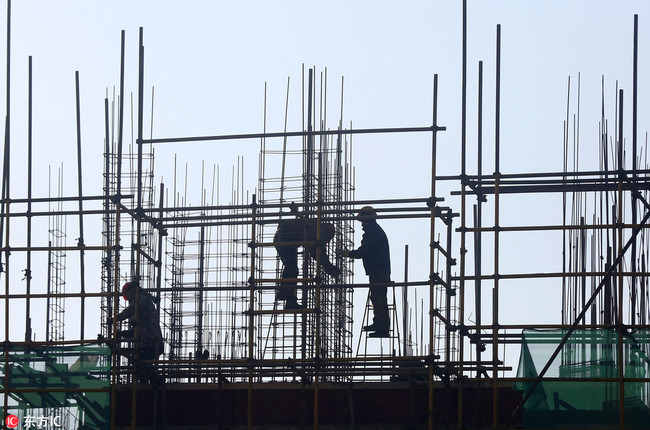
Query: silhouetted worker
[
  {"x": 149, "y": 343},
  {"x": 287, "y": 237},
  {"x": 375, "y": 253}
]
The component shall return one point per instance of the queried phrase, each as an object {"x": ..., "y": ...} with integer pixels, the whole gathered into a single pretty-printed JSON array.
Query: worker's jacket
[
  {"x": 149, "y": 333},
  {"x": 374, "y": 250}
]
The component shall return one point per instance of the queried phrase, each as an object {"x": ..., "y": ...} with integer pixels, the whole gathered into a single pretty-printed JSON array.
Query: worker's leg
[
  {"x": 379, "y": 300},
  {"x": 289, "y": 257},
  {"x": 146, "y": 371}
]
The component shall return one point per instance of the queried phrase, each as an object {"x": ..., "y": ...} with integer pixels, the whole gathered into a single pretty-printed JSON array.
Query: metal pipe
[
  {"x": 620, "y": 297},
  {"x": 425, "y": 129},
  {"x": 108, "y": 255},
  {"x": 118, "y": 179},
  {"x": 28, "y": 270},
  {"x": 432, "y": 239},
  {"x": 478, "y": 210},
  {"x": 5, "y": 206},
  {"x": 161, "y": 235},
  {"x": 463, "y": 221},
  {"x": 82, "y": 260},
  {"x": 317, "y": 304},
  {"x": 136, "y": 264},
  {"x": 251, "y": 320},
  {"x": 633, "y": 261},
  {"x": 495, "y": 292},
  {"x": 405, "y": 301}
]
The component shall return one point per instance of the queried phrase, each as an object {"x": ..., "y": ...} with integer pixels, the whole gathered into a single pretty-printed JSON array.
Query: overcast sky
[{"x": 209, "y": 62}]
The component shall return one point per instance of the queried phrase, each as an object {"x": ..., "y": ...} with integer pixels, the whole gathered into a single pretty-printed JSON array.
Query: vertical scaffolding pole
[
  {"x": 432, "y": 241},
  {"x": 5, "y": 205},
  {"x": 28, "y": 270},
  {"x": 82, "y": 279},
  {"x": 138, "y": 216},
  {"x": 634, "y": 165},
  {"x": 161, "y": 236},
  {"x": 307, "y": 196},
  {"x": 251, "y": 315},
  {"x": 201, "y": 294},
  {"x": 463, "y": 221},
  {"x": 479, "y": 216},
  {"x": 317, "y": 305},
  {"x": 495, "y": 294},
  {"x": 118, "y": 204}
]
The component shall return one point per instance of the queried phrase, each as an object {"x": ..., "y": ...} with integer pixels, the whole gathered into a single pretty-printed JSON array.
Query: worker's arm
[
  {"x": 327, "y": 265},
  {"x": 126, "y": 313}
]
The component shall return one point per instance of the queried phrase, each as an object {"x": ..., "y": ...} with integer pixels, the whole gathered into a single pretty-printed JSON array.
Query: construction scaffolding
[{"x": 214, "y": 275}]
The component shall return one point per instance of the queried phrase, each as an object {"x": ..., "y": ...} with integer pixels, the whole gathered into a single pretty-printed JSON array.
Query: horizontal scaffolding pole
[
  {"x": 553, "y": 227},
  {"x": 547, "y": 275},
  {"x": 505, "y": 188},
  {"x": 244, "y": 136},
  {"x": 567, "y": 177}
]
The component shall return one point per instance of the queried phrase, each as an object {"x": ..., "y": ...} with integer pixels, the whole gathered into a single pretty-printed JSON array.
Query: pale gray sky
[{"x": 209, "y": 62}]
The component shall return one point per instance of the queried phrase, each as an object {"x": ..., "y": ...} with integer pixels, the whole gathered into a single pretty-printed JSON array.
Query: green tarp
[
  {"x": 58, "y": 387},
  {"x": 581, "y": 387}
]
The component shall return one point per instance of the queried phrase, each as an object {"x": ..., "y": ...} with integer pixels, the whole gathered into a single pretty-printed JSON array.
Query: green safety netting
[
  {"x": 58, "y": 387},
  {"x": 590, "y": 396}
]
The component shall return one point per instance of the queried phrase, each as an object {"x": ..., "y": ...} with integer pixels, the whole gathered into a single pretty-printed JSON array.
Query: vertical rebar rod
[
  {"x": 140, "y": 121},
  {"x": 284, "y": 143},
  {"x": 405, "y": 300},
  {"x": 120, "y": 125},
  {"x": 619, "y": 313},
  {"x": 448, "y": 219},
  {"x": 161, "y": 236},
  {"x": 565, "y": 154},
  {"x": 49, "y": 297},
  {"x": 107, "y": 265},
  {"x": 342, "y": 308}
]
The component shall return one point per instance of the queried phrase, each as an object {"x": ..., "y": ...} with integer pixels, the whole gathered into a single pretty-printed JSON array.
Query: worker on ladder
[
  {"x": 375, "y": 253},
  {"x": 287, "y": 239}
]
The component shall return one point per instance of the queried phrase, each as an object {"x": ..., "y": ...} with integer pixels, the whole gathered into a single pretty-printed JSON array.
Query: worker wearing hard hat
[
  {"x": 149, "y": 342},
  {"x": 375, "y": 253}
]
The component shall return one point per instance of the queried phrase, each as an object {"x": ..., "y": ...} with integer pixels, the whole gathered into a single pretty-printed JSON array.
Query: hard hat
[
  {"x": 366, "y": 212},
  {"x": 125, "y": 287}
]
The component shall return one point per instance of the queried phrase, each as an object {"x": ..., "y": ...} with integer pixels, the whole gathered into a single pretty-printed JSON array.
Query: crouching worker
[
  {"x": 287, "y": 240},
  {"x": 149, "y": 343}
]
